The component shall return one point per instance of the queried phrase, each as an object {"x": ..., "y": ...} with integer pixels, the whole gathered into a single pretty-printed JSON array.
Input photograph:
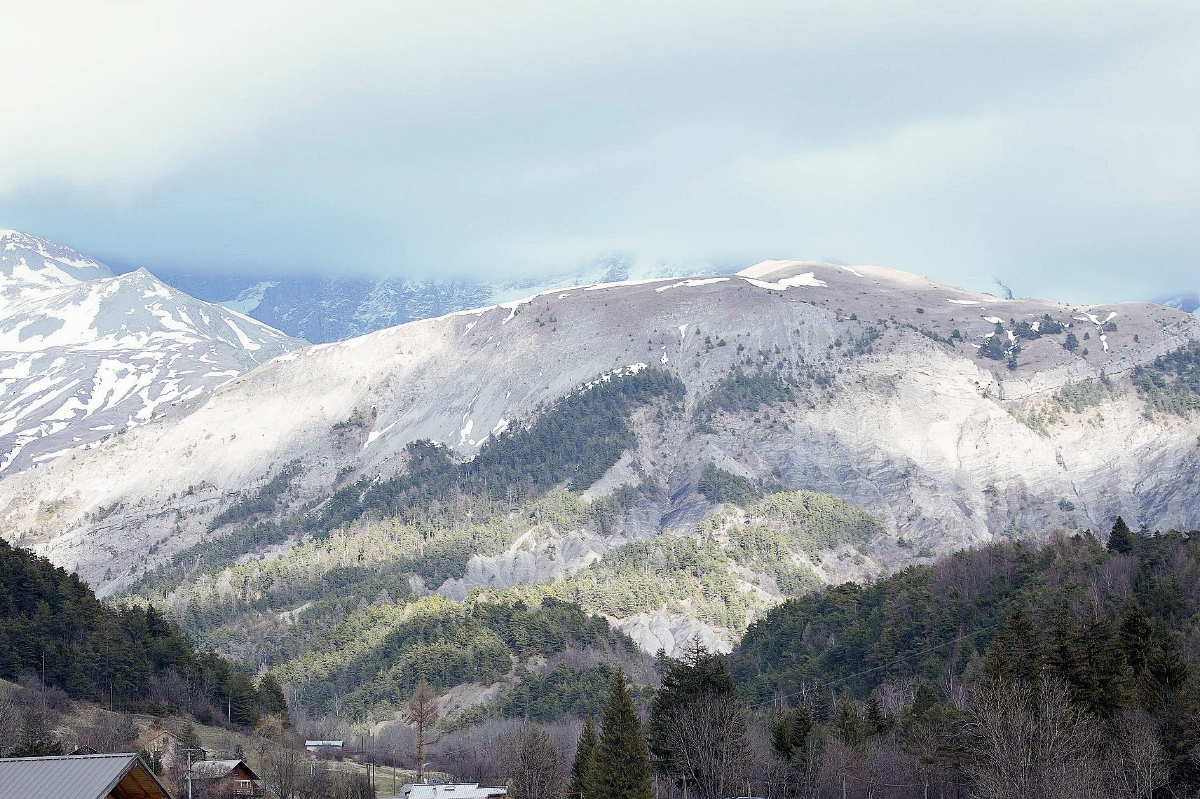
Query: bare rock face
[{"x": 908, "y": 421}]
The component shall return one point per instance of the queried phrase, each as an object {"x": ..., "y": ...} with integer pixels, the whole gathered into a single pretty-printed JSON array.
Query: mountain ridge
[
  {"x": 933, "y": 477},
  {"x": 84, "y": 353}
]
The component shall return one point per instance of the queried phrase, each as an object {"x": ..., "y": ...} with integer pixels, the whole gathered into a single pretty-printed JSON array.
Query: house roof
[
  {"x": 78, "y": 777},
  {"x": 450, "y": 791},
  {"x": 215, "y": 769}
]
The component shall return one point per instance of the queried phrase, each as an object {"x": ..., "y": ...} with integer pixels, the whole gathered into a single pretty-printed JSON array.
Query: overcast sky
[{"x": 1052, "y": 145}]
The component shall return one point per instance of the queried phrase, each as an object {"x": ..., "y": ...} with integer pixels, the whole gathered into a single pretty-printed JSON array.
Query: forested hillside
[
  {"x": 1015, "y": 670},
  {"x": 128, "y": 657}
]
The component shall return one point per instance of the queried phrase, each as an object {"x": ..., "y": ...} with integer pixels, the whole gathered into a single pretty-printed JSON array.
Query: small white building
[
  {"x": 317, "y": 746},
  {"x": 450, "y": 791}
]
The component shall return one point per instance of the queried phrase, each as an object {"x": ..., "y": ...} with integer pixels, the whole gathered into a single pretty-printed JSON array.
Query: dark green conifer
[
  {"x": 697, "y": 673},
  {"x": 822, "y": 707},
  {"x": 1017, "y": 653},
  {"x": 1136, "y": 634},
  {"x": 622, "y": 769},
  {"x": 1120, "y": 540},
  {"x": 1104, "y": 672},
  {"x": 270, "y": 696},
  {"x": 848, "y": 724},
  {"x": 876, "y": 720},
  {"x": 582, "y": 767},
  {"x": 925, "y": 700},
  {"x": 789, "y": 733}
]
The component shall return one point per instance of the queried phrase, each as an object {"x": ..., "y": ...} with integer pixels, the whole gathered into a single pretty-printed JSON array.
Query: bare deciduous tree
[
  {"x": 1138, "y": 760},
  {"x": 710, "y": 746},
  {"x": 282, "y": 771},
  {"x": 533, "y": 763},
  {"x": 1030, "y": 742},
  {"x": 10, "y": 721}
]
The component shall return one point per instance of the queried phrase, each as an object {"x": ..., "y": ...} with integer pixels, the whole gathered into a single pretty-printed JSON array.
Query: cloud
[{"x": 1039, "y": 142}]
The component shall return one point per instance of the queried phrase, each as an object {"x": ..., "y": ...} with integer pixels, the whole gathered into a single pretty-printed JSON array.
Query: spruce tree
[
  {"x": 582, "y": 781},
  {"x": 270, "y": 696},
  {"x": 876, "y": 720},
  {"x": 1136, "y": 638},
  {"x": 1120, "y": 540},
  {"x": 696, "y": 674},
  {"x": 925, "y": 700},
  {"x": 1017, "y": 653},
  {"x": 622, "y": 769}
]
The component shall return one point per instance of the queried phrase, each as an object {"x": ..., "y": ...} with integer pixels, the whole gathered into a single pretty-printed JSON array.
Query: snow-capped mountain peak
[{"x": 84, "y": 353}]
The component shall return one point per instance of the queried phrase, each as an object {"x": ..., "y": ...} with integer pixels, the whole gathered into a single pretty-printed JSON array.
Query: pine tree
[
  {"x": 1120, "y": 540},
  {"x": 789, "y": 733},
  {"x": 697, "y": 673},
  {"x": 822, "y": 707},
  {"x": 925, "y": 700},
  {"x": 270, "y": 696},
  {"x": 1104, "y": 671},
  {"x": 189, "y": 738},
  {"x": 876, "y": 720},
  {"x": 622, "y": 768},
  {"x": 848, "y": 724},
  {"x": 1136, "y": 636},
  {"x": 1017, "y": 653},
  {"x": 582, "y": 781}
]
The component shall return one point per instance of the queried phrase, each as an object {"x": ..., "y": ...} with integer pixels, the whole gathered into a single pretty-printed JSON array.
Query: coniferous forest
[{"x": 1021, "y": 669}]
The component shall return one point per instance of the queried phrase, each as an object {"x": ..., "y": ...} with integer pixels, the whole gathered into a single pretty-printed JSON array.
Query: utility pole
[{"x": 189, "y": 769}]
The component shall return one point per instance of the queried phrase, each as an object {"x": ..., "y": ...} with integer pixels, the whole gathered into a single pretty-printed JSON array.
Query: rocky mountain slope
[
  {"x": 953, "y": 417},
  {"x": 321, "y": 310},
  {"x": 84, "y": 354}
]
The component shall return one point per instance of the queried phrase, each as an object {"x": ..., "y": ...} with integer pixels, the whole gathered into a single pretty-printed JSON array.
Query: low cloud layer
[{"x": 1050, "y": 145}]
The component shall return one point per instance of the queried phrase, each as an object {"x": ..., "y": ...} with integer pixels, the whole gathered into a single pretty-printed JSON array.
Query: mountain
[
  {"x": 85, "y": 355},
  {"x": 321, "y": 310},
  {"x": 677, "y": 454}
]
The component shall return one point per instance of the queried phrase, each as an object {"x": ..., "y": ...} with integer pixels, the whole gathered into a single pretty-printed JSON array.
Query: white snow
[
  {"x": 246, "y": 342},
  {"x": 374, "y": 434},
  {"x": 764, "y": 268},
  {"x": 964, "y": 302},
  {"x": 707, "y": 281},
  {"x": 806, "y": 279},
  {"x": 619, "y": 283},
  {"x": 466, "y": 431},
  {"x": 995, "y": 320},
  {"x": 852, "y": 270},
  {"x": 500, "y": 427},
  {"x": 682, "y": 333}
]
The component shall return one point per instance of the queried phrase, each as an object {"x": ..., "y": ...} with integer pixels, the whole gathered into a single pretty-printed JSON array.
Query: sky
[{"x": 1051, "y": 146}]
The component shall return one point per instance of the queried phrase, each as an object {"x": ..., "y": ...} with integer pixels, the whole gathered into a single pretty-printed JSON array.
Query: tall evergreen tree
[
  {"x": 1017, "y": 653},
  {"x": 622, "y": 768},
  {"x": 698, "y": 673},
  {"x": 1105, "y": 672},
  {"x": 270, "y": 696},
  {"x": 1136, "y": 637},
  {"x": 582, "y": 776},
  {"x": 1120, "y": 540},
  {"x": 790, "y": 733}
]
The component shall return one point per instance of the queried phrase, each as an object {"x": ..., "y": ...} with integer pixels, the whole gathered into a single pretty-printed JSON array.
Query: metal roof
[
  {"x": 78, "y": 777},
  {"x": 216, "y": 769},
  {"x": 449, "y": 791}
]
